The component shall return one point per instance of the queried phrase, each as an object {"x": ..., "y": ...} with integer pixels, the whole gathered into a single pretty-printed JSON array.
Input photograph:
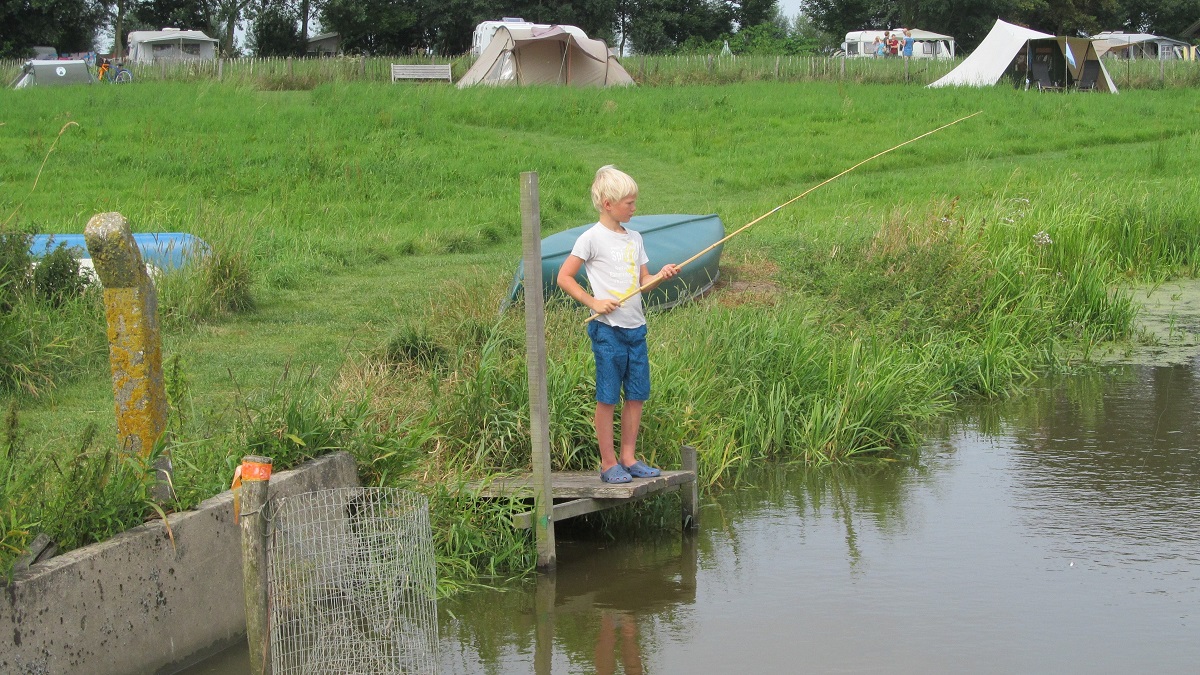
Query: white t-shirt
[{"x": 613, "y": 262}]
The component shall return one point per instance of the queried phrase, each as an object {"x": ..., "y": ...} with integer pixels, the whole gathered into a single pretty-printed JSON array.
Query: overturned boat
[{"x": 670, "y": 238}]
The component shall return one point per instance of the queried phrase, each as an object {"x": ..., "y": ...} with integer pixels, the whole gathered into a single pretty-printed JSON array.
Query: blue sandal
[
  {"x": 615, "y": 474},
  {"x": 641, "y": 470}
]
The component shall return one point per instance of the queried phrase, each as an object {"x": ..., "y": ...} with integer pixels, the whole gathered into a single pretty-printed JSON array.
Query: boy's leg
[
  {"x": 631, "y": 421},
  {"x": 604, "y": 434}
]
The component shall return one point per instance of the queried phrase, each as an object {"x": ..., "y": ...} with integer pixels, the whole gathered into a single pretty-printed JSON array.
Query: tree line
[{"x": 280, "y": 27}]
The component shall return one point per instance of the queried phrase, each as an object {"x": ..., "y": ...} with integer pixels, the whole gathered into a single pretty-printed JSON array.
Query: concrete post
[
  {"x": 252, "y": 481},
  {"x": 134, "y": 340},
  {"x": 535, "y": 352}
]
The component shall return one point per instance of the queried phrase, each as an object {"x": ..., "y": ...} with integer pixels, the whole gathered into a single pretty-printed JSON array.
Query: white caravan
[{"x": 926, "y": 45}]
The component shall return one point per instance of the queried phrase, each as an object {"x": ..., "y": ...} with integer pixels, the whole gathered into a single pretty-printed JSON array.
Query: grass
[{"x": 367, "y": 233}]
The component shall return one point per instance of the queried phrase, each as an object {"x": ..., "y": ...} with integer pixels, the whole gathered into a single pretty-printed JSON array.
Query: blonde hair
[{"x": 612, "y": 185}]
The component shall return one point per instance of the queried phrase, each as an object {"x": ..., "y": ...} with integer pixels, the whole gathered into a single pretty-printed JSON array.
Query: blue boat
[
  {"x": 161, "y": 250},
  {"x": 670, "y": 238}
]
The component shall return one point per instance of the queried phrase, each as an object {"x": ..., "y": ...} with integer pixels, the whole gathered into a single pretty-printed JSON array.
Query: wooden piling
[
  {"x": 289, "y": 66},
  {"x": 134, "y": 341},
  {"x": 689, "y": 495},
  {"x": 255, "y": 475},
  {"x": 535, "y": 352},
  {"x": 220, "y": 68}
]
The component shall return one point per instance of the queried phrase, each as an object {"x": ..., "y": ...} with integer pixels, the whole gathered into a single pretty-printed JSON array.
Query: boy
[{"x": 615, "y": 261}]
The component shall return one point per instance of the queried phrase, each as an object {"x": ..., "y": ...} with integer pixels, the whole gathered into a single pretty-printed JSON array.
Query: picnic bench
[{"x": 405, "y": 71}]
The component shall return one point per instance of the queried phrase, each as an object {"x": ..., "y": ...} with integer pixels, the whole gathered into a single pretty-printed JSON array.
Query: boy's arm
[{"x": 566, "y": 281}]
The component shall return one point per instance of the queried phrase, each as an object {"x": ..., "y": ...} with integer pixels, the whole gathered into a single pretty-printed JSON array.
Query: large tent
[
  {"x": 1040, "y": 60},
  {"x": 545, "y": 56}
]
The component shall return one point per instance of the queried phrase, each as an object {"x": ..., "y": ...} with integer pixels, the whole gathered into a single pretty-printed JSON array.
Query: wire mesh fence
[{"x": 351, "y": 584}]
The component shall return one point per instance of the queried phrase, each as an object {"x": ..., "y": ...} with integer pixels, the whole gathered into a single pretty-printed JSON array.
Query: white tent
[
  {"x": 1038, "y": 57},
  {"x": 545, "y": 56},
  {"x": 991, "y": 58},
  {"x": 148, "y": 46}
]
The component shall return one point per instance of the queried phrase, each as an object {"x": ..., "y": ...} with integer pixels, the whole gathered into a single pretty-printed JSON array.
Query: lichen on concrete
[{"x": 135, "y": 342}]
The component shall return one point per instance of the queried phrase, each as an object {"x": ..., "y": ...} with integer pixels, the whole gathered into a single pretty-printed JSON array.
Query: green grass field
[{"x": 380, "y": 225}]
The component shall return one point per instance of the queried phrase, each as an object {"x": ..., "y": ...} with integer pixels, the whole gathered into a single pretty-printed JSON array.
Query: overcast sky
[{"x": 790, "y": 8}]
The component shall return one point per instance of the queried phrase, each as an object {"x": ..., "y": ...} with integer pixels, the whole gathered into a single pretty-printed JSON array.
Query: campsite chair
[
  {"x": 1041, "y": 75},
  {"x": 1091, "y": 72}
]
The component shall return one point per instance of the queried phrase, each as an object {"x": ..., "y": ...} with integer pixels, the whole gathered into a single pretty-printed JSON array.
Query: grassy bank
[
  {"x": 646, "y": 70},
  {"x": 379, "y": 226}
]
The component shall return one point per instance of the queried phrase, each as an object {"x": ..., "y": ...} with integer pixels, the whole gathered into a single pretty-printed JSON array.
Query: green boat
[{"x": 671, "y": 238}]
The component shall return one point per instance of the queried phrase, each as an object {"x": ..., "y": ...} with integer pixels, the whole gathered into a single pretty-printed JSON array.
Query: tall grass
[{"x": 383, "y": 220}]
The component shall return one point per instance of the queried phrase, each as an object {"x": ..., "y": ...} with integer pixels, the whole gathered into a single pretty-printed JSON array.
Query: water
[{"x": 1057, "y": 533}]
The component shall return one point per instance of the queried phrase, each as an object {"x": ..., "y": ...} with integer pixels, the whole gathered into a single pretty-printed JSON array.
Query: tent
[
  {"x": 545, "y": 56},
  {"x": 52, "y": 73},
  {"x": 1140, "y": 46},
  {"x": 1034, "y": 58},
  {"x": 148, "y": 46}
]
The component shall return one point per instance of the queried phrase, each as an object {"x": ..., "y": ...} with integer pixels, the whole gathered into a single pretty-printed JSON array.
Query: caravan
[{"x": 926, "y": 45}]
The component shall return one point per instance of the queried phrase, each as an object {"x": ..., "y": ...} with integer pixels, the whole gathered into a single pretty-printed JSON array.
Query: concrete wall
[{"x": 135, "y": 604}]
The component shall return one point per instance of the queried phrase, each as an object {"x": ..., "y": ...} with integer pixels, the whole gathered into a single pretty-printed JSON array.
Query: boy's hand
[
  {"x": 604, "y": 305},
  {"x": 669, "y": 270}
]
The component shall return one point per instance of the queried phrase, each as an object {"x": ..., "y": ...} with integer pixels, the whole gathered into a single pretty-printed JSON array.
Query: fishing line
[{"x": 657, "y": 278}]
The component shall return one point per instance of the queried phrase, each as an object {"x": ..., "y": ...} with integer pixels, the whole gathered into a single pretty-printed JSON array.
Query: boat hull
[{"x": 670, "y": 238}]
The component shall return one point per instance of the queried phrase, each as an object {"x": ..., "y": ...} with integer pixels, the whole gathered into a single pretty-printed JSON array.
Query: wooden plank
[
  {"x": 582, "y": 484},
  {"x": 579, "y": 507}
]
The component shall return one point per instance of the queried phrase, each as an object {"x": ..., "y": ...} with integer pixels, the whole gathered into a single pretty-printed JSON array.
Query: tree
[
  {"x": 276, "y": 30},
  {"x": 66, "y": 25}
]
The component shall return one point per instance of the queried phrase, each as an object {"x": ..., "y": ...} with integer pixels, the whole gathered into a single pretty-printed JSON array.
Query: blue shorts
[{"x": 621, "y": 360}]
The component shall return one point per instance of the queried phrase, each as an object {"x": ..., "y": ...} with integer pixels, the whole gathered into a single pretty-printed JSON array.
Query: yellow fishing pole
[{"x": 657, "y": 278}]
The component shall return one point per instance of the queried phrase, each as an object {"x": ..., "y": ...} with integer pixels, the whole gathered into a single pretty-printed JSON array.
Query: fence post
[
  {"x": 289, "y": 66},
  {"x": 690, "y": 494},
  {"x": 776, "y": 67},
  {"x": 251, "y": 487},
  {"x": 362, "y": 66},
  {"x": 535, "y": 352},
  {"x": 220, "y": 68},
  {"x": 134, "y": 341},
  {"x": 843, "y": 74}
]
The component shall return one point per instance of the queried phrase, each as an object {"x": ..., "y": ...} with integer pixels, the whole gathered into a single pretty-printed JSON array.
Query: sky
[{"x": 789, "y": 8}]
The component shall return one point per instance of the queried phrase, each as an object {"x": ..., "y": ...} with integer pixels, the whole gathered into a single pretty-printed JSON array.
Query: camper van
[
  {"x": 926, "y": 45},
  {"x": 486, "y": 30}
]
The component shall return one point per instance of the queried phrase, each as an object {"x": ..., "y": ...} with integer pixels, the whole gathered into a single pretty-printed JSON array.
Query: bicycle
[{"x": 108, "y": 71}]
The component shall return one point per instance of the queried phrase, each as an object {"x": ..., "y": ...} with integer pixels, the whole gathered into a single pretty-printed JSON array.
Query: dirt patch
[{"x": 748, "y": 280}]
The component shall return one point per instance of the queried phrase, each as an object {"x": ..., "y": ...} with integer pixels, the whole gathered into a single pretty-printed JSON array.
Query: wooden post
[
  {"x": 134, "y": 341},
  {"x": 535, "y": 352},
  {"x": 362, "y": 66},
  {"x": 776, "y": 67},
  {"x": 843, "y": 75},
  {"x": 220, "y": 68},
  {"x": 254, "y": 477},
  {"x": 906, "y": 69},
  {"x": 289, "y": 66},
  {"x": 690, "y": 494}
]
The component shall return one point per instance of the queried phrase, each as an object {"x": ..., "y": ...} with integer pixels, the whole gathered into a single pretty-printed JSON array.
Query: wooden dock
[{"x": 576, "y": 493}]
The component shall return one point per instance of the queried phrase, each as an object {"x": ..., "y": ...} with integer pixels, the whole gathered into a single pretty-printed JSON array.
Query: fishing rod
[{"x": 657, "y": 278}]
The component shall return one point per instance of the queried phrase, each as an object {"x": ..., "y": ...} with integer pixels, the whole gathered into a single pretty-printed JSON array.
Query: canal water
[{"x": 1055, "y": 533}]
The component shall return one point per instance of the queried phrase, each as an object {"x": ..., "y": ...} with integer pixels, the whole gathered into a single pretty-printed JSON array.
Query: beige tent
[{"x": 545, "y": 56}]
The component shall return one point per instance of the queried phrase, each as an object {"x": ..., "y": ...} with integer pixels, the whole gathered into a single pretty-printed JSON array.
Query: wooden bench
[{"x": 402, "y": 71}]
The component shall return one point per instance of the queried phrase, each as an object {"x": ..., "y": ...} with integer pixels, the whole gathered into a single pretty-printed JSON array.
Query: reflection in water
[{"x": 1053, "y": 533}]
